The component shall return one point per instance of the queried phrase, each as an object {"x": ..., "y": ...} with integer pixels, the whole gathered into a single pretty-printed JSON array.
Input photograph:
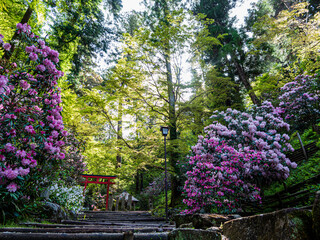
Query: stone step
[
  {"x": 123, "y": 223},
  {"x": 83, "y": 236},
  {"x": 86, "y": 230},
  {"x": 92, "y": 225},
  {"x": 120, "y": 217},
  {"x": 132, "y": 218},
  {"x": 119, "y": 212},
  {"x": 192, "y": 234},
  {"x": 116, "y": 213}
]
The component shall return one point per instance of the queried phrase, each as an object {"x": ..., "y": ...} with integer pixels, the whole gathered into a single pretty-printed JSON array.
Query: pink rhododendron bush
[
  {"x": 240, "y": 152},
  {"x": 32, "y": 135},
  {"x": 299, "y": 101}
]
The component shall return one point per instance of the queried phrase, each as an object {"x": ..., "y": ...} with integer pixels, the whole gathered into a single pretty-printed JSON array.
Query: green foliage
[
  {"x": 232, "y": 57},
  {"x": 134, "y": 99},
  {"x": 11, "y": 13},
  {"x": 222, "y": 92},
  {"x": 293, "y": 36},
  {"x": 304, "y": 171},
  {"x": 308, "y": 136},
  {"x": 78, "y": 31},
  {"x": 213, "y": 92},
  {"x": 160, "y": 204},
  {"x": 267, "y": 86},
  {"x": 22, "y": 210}
]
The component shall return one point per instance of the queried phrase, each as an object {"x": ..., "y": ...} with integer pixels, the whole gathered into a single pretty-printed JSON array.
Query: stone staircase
[
  {"x": 285, "y": 224},
  {"x": 121, "y": 225}
]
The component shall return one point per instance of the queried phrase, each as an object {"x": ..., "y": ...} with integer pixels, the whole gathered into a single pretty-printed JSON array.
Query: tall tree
[
  {"x": 292, "y": 37},
  {"x": 167, "y": 40},
  {"x": 230, "y": 58},
  {"x": 148, "y": 80},
  {"x": 81, "y": 33}
]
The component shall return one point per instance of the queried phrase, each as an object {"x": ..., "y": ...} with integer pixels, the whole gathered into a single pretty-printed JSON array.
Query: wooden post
[
  {"x": 128, "y": 235},
  {"x": 129, "y": 202},
  {"x": 117, "y": 204},
  {"x": 123, "y": 207},
  {"x": 150, "y": 204},
  {"x": 110, "y": 203},
  {"x": 302, "y": 147},
  {"x": 85, "y": 186}
]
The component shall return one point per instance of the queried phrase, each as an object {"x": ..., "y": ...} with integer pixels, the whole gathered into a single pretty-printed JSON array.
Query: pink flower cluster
[
  {"x": 31, "y": 126},
  {"x": 3, "y": 84},
  {"x": 240, "y": 151},
  {"x": 219, "y": 178},
  {"x": 24, "y": 28}
]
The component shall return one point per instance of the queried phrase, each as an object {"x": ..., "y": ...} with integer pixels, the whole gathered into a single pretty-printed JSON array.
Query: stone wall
[{"x": 285, "y": 224}]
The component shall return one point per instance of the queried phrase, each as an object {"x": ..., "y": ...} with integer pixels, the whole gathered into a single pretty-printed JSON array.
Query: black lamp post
[{"x": 164, "y": 131}]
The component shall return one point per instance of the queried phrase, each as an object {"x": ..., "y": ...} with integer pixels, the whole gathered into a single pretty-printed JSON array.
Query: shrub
[
  {"x": 238, "y": 155},
  {"x": 299, "y": 101},
  {"x": 70, "y": 198},
  {"x": 33, "y": 141}
]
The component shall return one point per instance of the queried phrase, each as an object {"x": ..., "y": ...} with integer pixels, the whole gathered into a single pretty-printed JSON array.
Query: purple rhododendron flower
[
  {"x": 24, "y": 85},
  {"x": 12, "y": 187},
  {"x": 23, "y": 171},
  {"x": 29, "y": 49},
  {"x": 9, "y": 147},
  {"x": 33, "y": 56},
  {"x": 3, "y": 81},
  {"x": 29, "y": 129},
  {"x": 11, "y": 174},
  {"x": 7, "y": 46},
  {"x": 229, "y": 156},
  {"x": 41, "y": 68}
]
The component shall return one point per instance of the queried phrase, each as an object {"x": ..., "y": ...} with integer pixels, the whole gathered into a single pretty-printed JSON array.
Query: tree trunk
[
  {"x": 246, "y": 83},
  {"x": 119, "y": 130},
  {"x": 137, "y": 182},
  {"x": 173, "y": 136},
  {"x": 141, "y": 181},
  {"x": 27, "y": 15}
]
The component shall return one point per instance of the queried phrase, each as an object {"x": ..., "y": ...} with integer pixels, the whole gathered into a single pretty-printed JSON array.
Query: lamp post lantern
[{"x": 165, "y": 131}]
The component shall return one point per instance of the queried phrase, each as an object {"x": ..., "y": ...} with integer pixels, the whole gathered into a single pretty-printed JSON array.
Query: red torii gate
[{"x": 96, "y": 181}]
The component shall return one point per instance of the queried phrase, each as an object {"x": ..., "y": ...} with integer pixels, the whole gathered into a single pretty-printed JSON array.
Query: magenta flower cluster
[
  {"x": 217, "y": 178},
  {"x": 31, "y": 127},
  {"x": 240, "y": 151}
]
